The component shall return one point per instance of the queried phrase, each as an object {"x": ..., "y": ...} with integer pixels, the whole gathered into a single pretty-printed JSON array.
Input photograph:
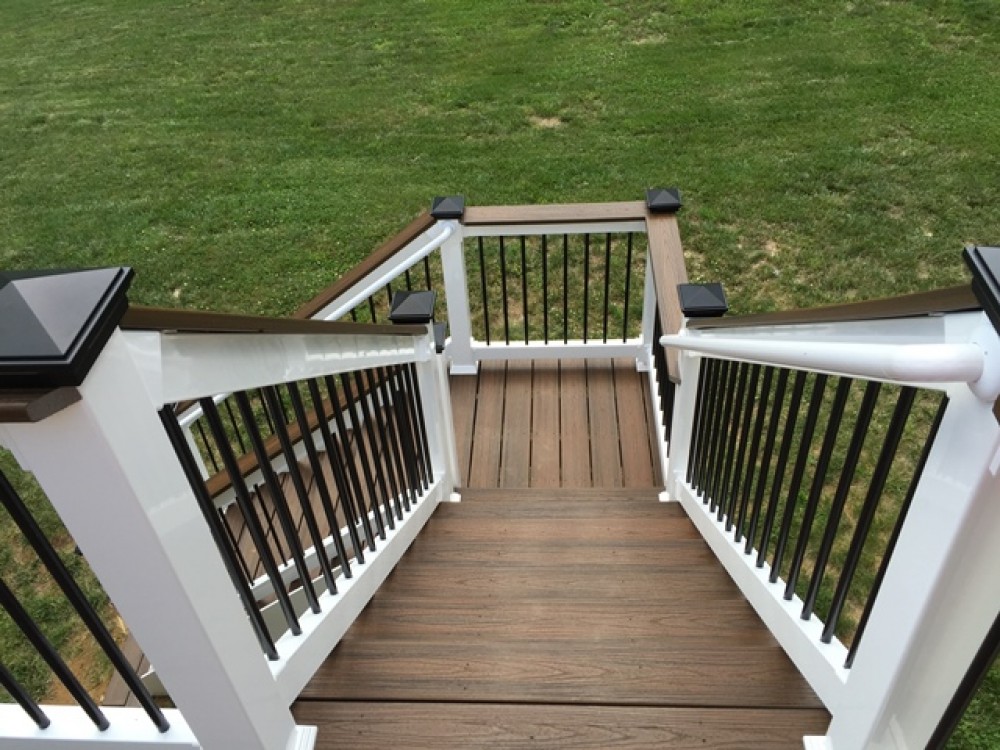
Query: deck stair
[{"x": 559, "y": 618}]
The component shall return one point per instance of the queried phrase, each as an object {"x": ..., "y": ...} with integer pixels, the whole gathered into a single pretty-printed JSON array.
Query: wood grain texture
[
  {"x": 484, "y": 467},
  {"x": 605, "y": 451},
  {"x": 597, "y": 600},
  {"x": 450, "y": 726},
  {"x": 463, "y": 407},
  {"x": 666, "y": 257},
  {"x": 555, "y": 213},
  {"x": 545, "y": 428},
  {"x": 515, "y": 466},
  {"x": 633, "y": 432},
  {"x": 575, "y": 424}
]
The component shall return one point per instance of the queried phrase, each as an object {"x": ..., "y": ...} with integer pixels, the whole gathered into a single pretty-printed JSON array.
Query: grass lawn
[{"x": 241, "y": 154}]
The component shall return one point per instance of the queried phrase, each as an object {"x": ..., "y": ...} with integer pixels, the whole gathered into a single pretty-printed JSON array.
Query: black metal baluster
[
  {"x": 367, "y": 418},
  {"x": 733, "y": 419},
  {"x": 704, "y": 412},
  {"x": 388, "y": 296},
  {"x": 364, "y": 458},
  {"x": 245, "y": 505},
  {"x": 765, "y": 462},
  {"x": 738, "y": 439},
  {"x": 270, "y": 531},
  {"x": 208, "y": 446},
  {"x": 524, "y": 288},
  {"x": 628, "y": 288},
  {"x": 545, "y": 288},
  {"x": 260, "y": 404},
  {"x": 190, "y": 467},
  {"x": 409, "y": 281},
  {"x": 273, "y": 403},
  {"x": 371, "y": 308},
  {"x": 893, "y": 436},
  {"x": 696, "y": 426},
  {"x": 565, "y": 290},
  {"x": 34, "y": 535},
  {"x": 392, "y": 464},
  {"x": 482, "y": 281},
  {"x": 754, "y": 455},
  {"x": 234, "y": 425},
  {"x": 819, "y": 479},
  {"x": 427, "y": 272},
  {"x": 840, "y": 496},
  {"x": 416, "y": 402},
  {"x": 335, "y": 460},
  {"x": 586, "y": 285},
  {"x": 394, "y": 446},
  {"x": 503, "y": 289},
  {"x": 729, "y": 430},
  {"x": 234, "y": 544},
  {"x": 312, "y": 456},
  {"x": 406, "y": 430},
  {"x": 900, "y": 519},
  {"x": 355, "y": 498},
  {"x": 607, "y": 284},
  {"x": 47, "y": 651},
  {"x": 19, "y": 694},
  {"x": 354, "y": 315},
  {"x": 809, "y": 428},
  {"x": 716, "y": 432}
]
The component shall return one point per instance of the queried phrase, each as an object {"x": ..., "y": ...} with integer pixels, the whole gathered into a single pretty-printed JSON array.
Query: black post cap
[
  {"x": 663, "y": 200},
  {"x": 54, "y": 324},
  {"x": 984, "y": 262},
  {"x": 413, "y": 307},
  {"x": 702, "y": 300},
  {"x": 448, "y": 207}
]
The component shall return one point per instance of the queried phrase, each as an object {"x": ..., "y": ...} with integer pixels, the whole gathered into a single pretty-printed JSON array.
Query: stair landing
[{"x": 559, "y": 619}]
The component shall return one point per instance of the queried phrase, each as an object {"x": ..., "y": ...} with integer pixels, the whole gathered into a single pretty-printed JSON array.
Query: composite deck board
[
  {"x": 554, "y": 424},
  {"x": 457, "y": 726},
  {"x": 559, "y": 619}
]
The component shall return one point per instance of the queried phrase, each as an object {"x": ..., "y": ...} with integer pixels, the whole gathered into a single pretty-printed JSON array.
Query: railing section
[
  {"x": 851, "y": 501},
  {"x": 257, "y": 520}
]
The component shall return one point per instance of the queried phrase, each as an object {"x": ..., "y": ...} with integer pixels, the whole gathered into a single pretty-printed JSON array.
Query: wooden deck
[
  {"x": 559, "y": 618},
  {"x": 560, "y": 604},
  {"x": 551, "y": 424}
]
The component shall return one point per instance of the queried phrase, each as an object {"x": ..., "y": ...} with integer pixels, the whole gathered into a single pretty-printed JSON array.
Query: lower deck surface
[{"x": 559, "y": 618}]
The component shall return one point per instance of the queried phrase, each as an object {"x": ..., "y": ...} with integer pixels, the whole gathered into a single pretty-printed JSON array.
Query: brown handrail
[
  {"x": 142, "y": 318},
  {"x": 35, "y": 405},
  {"x": 381, "y": 254},
  {"x": 951, "y": 299},
  {"x": 555, "y": 213},
  {"x": 666, "y": 257}
]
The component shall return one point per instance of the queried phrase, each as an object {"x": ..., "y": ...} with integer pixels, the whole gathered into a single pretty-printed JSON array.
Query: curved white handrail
[{"x": 902, "y": 363}]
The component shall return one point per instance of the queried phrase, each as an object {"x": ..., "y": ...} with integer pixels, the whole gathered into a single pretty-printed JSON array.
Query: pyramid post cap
[
  {"x": 702, "y": 300},
  {"x": 54, "y": 324},
  {"x": 663, "y": 200},
  {"x": 448, "y": 207}
]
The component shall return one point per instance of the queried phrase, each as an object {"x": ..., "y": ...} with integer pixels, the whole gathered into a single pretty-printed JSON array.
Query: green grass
[{"x": 241, "y": 154}]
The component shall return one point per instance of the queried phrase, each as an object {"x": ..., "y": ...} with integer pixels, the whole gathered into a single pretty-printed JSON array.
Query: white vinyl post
[
  {"x": 939, "y": 596},
  {"x": 682, "y": 425},
  {"x": 645, "y": 362},
  {"x": 109, "y": 470},
  {"x": 432, "y": 375},
  {"x": 457, "y": 296}
]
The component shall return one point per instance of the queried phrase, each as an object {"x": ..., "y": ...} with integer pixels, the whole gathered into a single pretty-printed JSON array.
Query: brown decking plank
[
  {"x": 563, "y": 671},
  {"x": 545, "y": 425},
  {"x": 484, "y": 469},
  {"x": 574, "y": 427},
  {"x": 458, "y": 726},
  {"x": 118, "y": 693},
  {"x": 515, "y": 461},
  {"x": 633, "y": 432},
  {"x": 463, "y": 407},
  {"x": 605, "y": 455},
  {"x": 592, "y": 609}
]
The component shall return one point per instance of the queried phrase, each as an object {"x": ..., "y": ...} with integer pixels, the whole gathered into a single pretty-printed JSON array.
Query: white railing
[
  {"x": 108, "y": 468},
  {"x": 940, "y": 594}
]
